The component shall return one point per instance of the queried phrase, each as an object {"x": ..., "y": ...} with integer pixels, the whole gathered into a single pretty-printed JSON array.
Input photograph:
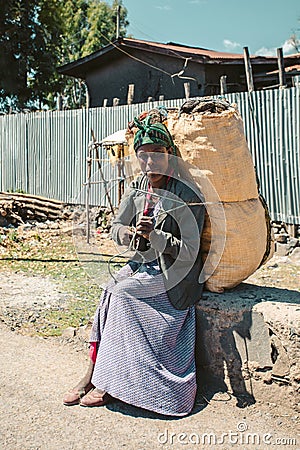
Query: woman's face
[{"x": 154, "y": 162}]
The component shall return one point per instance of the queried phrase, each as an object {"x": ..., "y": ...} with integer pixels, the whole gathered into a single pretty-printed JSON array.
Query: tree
[
  {"x": 37, "y": 36},
  {"x": 90, "y": 25},
  {"x": 294, "y": 40},
  {"x": 102, "y": 25},
  {"x": 29, "y": 47}
]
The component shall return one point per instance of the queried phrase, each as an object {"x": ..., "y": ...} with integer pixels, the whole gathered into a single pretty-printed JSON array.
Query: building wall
[
  {"x": 119, "y": 70},
  {"x": 235, "y": 78},
  {"x": 112, "y": 79}
]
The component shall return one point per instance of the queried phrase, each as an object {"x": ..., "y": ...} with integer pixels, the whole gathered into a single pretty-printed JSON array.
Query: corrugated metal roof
[{"x": 180, "y": 49}]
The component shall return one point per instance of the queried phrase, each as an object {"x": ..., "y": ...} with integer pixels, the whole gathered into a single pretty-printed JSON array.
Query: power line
[{"x": 134, "y": 57}]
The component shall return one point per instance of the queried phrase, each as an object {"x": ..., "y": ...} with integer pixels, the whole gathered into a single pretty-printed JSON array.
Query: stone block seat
[{"x": 248, "y": 344}]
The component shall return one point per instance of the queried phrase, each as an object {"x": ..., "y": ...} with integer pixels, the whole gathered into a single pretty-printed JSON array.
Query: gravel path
[{"x": 35, "y": 373}]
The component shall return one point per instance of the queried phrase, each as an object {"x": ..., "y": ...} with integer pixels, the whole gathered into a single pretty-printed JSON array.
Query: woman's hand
[
  {"x": 125, "y": 235},
  {"x": 144, "y": 226}
]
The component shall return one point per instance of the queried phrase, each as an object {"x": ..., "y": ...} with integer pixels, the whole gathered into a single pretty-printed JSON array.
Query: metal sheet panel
[{"x": 45, "y": 153}]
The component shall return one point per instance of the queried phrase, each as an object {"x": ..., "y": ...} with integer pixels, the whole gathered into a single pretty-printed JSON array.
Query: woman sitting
[{"x": 143, "y": 335}]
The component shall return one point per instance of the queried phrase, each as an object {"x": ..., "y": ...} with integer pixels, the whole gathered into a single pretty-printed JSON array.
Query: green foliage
[
  {"x": 89, "y": 25},
  {"x": 29, "y": 49},
  {"x": 17, "y": 191},
  {"x": 102, "y": 25},
  {"x": 13, "y": 236},
  {"x": 37, "y": 36}
]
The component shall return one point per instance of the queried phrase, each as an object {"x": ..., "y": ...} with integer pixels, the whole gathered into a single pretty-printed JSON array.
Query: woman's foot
[
  {"x": 74, "y": 395},
  {"x": 81, "y": 389},
  {"x": 96, "y": 397}
]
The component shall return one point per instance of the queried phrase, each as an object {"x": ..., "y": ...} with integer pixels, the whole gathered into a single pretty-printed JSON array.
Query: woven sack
[
  {"x": 245, "y": 245},
  {"x": 216, "y": 144}
]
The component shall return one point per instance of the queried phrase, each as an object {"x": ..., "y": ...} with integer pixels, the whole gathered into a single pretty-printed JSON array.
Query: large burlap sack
[
  {"x": 216, "y": 144},
  {"x": 245, "y": 248},
  {"x": 240, "y": 239}
]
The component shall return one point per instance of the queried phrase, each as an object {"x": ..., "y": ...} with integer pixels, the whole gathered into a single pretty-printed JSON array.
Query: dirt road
[{"x": 35, "y": 372}]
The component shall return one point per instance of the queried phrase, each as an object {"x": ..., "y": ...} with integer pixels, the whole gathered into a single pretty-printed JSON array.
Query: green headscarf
[{"x": 152, "y": 133}]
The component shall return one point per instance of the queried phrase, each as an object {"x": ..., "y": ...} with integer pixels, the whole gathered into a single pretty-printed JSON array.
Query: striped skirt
[{"x": 145, "y": 346}]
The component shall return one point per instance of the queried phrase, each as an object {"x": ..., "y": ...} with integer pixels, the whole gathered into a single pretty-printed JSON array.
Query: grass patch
[{"x": 51, "y": 253}]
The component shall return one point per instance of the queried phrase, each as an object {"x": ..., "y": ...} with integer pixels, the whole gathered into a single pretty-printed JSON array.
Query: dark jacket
[{"x": 175, "y": 240}]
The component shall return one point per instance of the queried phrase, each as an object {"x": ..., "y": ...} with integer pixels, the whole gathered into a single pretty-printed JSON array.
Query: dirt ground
[{"x": 35, "y": 372}]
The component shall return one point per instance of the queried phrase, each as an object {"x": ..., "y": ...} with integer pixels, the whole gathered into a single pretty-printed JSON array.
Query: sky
[{"x": 226, "y": 26}]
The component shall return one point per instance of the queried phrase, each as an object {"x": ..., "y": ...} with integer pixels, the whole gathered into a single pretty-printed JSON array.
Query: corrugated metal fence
[{"x": 45, "y": 153}]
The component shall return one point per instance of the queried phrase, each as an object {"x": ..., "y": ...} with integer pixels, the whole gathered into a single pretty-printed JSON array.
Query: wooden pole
[
  {"x": 116, "y": 101},
  {"x": 59, "y": 102},
  {"x": 88, "y": 189},
  {"x": 118, "y": 22},
  {"x": 105, "y": 101},
  {"x": 161, "y": 98},
  {"x": 291, "y": 229},
  {"x": 87, "y": 98},
  {"x": 130, "y": 94},
  {"x": 296, "y": 81},
  {"x": 223, "y": 85},
  {"x": 187, "y": 90},
  {"x": 104, "y": 180},
  {"x": 120, "y": 162},
  {"x": 248, "y": 69},
  {"x": 121, "y": 172},
  {"x": 96, "y": 148},
  {"x": 281, "y": 70}
]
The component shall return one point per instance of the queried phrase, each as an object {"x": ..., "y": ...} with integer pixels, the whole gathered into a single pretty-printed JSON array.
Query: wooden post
[
  {"x": 291, "y": 229},
  {"x": 59, "y": 102},
  {"x": 296, "y": 80},
  {"x": 161, "y": 98},
  {"x": 223, "y": 85},
  {"x": 116, "y": 101},
  {"x": 87, "y": 98},
  {"x": 105, "y": 101},
  {"x": 150, "y": 99},
  {"x": 95, "y": 147},
  {"x": 88, "y": 189},
  {"x": 187, "y": 90},
  {"x": 118, "y": 22},
  {"x": 130, "y": 94},
  {"x": 248, "y": 69},
  {"x": 120, "y": 163},
  {"x": 102, "y": 176},
  {"x": 281, "y": 67}
]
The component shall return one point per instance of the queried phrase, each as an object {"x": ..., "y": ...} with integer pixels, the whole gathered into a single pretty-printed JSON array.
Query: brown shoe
[
  {"x": 96, "y": 397},
  {"x": 74, "y": 395}
]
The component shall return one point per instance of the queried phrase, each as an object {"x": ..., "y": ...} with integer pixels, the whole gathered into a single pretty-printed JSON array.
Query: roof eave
[
  {"x": 81, "y": 67},
  {"x": 70, "y": 67}
]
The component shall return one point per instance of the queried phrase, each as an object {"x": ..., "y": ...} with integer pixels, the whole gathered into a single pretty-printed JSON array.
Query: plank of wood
[
  {"x": 248, "y": 69},
  {"x": 281, "y": 70}
]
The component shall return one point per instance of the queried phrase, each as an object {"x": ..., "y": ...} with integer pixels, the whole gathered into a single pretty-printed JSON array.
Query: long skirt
[{"x": 146, "y": 347}]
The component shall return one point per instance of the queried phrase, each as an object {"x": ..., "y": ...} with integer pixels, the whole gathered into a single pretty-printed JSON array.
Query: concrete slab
[{"x": 249, "y": 333}]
